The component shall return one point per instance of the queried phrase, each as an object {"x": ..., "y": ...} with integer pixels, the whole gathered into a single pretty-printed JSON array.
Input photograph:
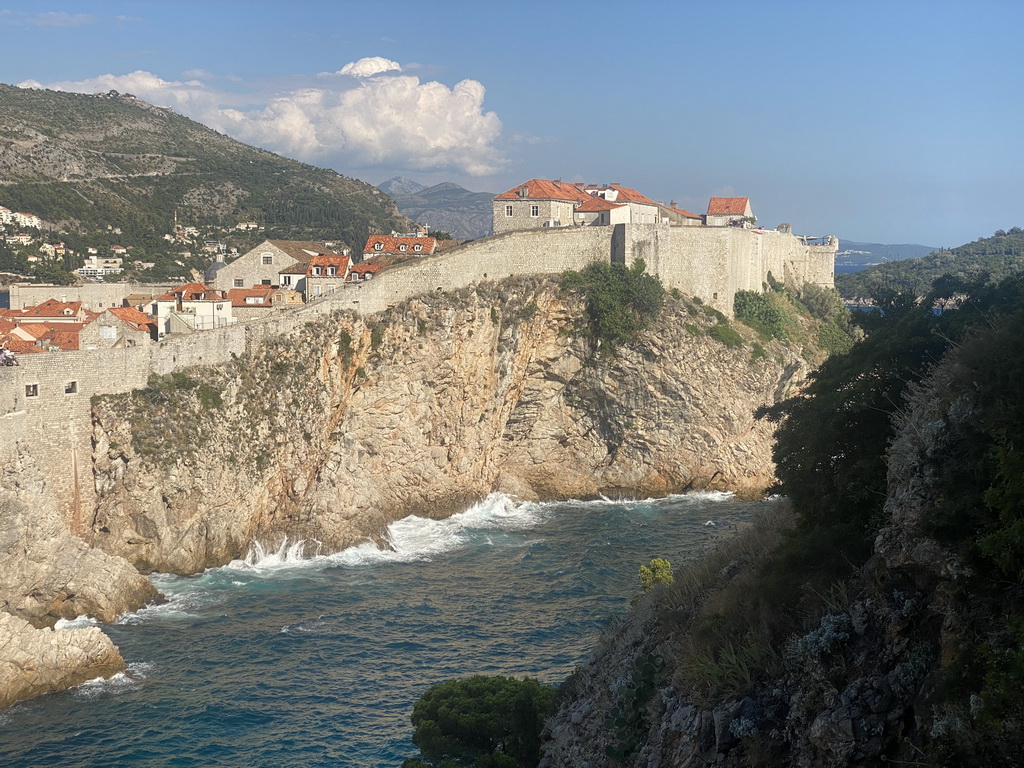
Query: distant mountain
[
  {"x": 864, "y": 254},
  {"x": 987, "y": 258},
  {"x": 445, "y": 206},
  {"x": 89, "y": 162},
  {"x": 400, "y": 185}
]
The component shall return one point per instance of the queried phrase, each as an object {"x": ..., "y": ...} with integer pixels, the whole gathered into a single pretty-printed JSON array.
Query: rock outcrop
[
  {"x": 331, "y": 434},
  {"x": 863, "y": 685},
  {"x": 37, "y": 661}
]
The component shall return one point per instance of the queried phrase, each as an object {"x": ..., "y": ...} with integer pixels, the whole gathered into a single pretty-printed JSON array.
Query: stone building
[
  {"x": 378, "y": 246},
  {"x": 729, "y": 211},
  {"x": 264, "y": 263}
]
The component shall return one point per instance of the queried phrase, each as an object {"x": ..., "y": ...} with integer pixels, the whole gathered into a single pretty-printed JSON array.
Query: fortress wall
[
  {"x": 709, "y": 262},
  {"x": 94, "y": 296}
]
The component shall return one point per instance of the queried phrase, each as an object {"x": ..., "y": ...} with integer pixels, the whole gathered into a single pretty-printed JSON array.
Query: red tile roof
[
  {"x": 594, "y": 204},
  {"x": 393, "y": 244},
  {"x": 54, "y": 308},
  {"x": 358, "y": 270},
  {"x": 627, "y": 195},
  {"x": 728, "y": 206},
  {"x": 239, "y": 296},
  {"x": 685, "y": 213},
  {"x": 140, "y": 321},
  {"x": 542, "y": 189},
  {"x": 340, "y": 263},
  {"x": 192, "y": 292}
]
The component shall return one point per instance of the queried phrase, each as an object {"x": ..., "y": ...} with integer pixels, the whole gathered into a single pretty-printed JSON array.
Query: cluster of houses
[
  {"x": 275, "y": 275},
  {"x": 278, "y": 274},
  {"x": 542, "y": 203}
]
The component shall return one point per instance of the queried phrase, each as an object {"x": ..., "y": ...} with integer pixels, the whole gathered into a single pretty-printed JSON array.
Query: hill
[
  {"x": 989, "y": 258},
  {"x": 84, "y": 163},
  {"x": 852, "y": 253},
  {"x": 444, "y": 206}
]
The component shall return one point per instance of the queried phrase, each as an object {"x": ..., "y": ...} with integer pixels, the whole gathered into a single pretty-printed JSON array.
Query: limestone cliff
[
  {"x": 329, "y": 434},
  {"x": 872, "y": 681}
]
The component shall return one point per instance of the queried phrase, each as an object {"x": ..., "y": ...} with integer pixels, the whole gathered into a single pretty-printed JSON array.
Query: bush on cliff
[
  {"x": 483, "y": 720},
  {"x": 620, "y": 302}
]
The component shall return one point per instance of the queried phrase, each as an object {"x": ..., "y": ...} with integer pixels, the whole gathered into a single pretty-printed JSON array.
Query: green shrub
[
  {"x": 761, "y": 312},
  {"x": 483, "y": 720},
  {"x": 620, "y": 302},
  {"x": 725, "y": 334},
  {"x": 659, "y": 572}
]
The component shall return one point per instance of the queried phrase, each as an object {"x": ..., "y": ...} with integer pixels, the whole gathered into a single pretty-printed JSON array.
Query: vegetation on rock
[
  {"x": 620, "y": 302},
  {"x": 987, "y": 258},
  {"x": 484, "y": 721}
]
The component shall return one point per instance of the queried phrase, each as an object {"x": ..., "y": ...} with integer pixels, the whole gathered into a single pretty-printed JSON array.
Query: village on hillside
[{"x": 279, "y": 275}]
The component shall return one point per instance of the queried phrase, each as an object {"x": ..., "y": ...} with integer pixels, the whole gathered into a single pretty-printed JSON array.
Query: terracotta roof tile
[
  {"x": 140, "y": 321},
  {"x": 391, "y": 244},
  {"x": 542, "y": 189},
  {"x": 340, "y": 263},
  {"x": 594, "y": 204},
  {"x": 728, "y": 206}
]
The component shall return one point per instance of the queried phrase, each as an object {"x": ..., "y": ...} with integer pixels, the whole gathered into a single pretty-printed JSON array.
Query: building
[
  {"x": 263, "y": 264},
  {"x": 116, "y": 328},
  {"x": 537, "y": 203},
  {"x": 189, "y": 308},
  {"x": 729, "y": 212},
  {"x": 324, "y": 275},
  {"x": 378, "y": 246}
]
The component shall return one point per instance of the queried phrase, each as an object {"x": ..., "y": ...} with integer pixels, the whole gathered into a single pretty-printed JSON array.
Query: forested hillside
[
  {"x": 84, "y": 163},
  {"x": 989, "y": 258}
]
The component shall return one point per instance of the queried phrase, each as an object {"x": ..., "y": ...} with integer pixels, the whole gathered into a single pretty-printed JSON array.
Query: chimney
[
  {"x": 614, "y": 184},
  {"x": 558, "y": 183},
  {"x": 672, "y": 204}
]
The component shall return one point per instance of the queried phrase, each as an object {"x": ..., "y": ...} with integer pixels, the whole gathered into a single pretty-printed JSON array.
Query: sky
[{"x": 897, "y": 121}]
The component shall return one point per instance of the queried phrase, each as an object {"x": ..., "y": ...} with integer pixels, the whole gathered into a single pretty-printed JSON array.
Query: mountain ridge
[{"x": 85, "y": 162}]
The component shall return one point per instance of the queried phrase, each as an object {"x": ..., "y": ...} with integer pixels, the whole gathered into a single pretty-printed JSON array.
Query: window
[
  {"x": 71, "y": 388},
  {"x": 238, "y": 282},
  {"x": 316, "y": 290},
  {"x": 330, "y": 289},
  {"x": 535, "y": 210},
  {"x": 31, "y": 390},
  {"x": 286, "y": 279},
  {"x": 267, "y": 258},
  {"x": 332, "y": 271},
  {"x": 264, "y": 282},
  {"x": 417, "y": 247},
  {"x": 315, "y": 271},
  {"x": 378, "y": 246},
  {"x": 508, "y": 210},
  {"x": 402, "y": 247}
]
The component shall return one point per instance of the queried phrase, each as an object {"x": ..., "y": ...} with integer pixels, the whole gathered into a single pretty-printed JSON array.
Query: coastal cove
[{"x": 279, "y": 662}]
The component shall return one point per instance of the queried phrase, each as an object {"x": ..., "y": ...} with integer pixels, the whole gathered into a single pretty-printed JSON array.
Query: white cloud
[
  {"x": 397, "y": 121},
  {"x": 370, "y": 66}
]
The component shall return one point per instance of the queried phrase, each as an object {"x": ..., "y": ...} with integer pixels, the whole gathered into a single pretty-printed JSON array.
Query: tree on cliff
[
  {"x": 487, "y": 721},
  {"x": 620, "y": 302}
]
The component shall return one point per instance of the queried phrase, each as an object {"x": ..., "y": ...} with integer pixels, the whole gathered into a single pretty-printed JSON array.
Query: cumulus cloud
[
  {"x": 370, "y": 66},
  {"x": 395, "y": 121}
]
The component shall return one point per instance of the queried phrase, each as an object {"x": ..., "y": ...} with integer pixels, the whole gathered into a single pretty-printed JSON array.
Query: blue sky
[{"x": 896, "y": 121}]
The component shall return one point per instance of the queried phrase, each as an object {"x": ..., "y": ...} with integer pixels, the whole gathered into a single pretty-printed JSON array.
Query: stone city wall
[
  {"x": 45, "y": 402},
  {"x": 94, "y": 296}
]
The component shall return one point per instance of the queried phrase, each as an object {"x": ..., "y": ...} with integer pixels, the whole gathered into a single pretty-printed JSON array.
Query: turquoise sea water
[{"x": 288, "y": 663}]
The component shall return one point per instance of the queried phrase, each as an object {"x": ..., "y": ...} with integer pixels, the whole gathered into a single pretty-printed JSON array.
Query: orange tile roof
[
  {"x": 328, "y": 260},
  {"x": 728, "y": 206},
  {"x": 364, "y": 268},
  {"x": 36, "y": 330},
  {"x": 685, "y": 213},
  {"x": 594, "y": 204},
  {"x": 140, "y": 321},
  {"x": 192, "y": 292},
  {"x": 53, "y": 308},
  {"x": 628, "y": 195},
  {"x": 238, "y": 296},
  {"x": 393, "y": 244},
  {"x": 542, "y": 189}
]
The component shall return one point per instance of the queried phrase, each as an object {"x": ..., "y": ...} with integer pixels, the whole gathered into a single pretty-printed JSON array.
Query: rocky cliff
[
  {"x": 330, "y": 433},
  {"x": 912, "y": 659}
]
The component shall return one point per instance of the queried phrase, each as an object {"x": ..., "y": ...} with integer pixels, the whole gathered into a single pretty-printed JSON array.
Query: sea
[{"x": 288, "y": 662}]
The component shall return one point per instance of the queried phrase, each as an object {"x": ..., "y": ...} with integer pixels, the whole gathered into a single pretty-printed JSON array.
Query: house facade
[
  {"x": 263, "y": 264},
  {"x": 729, "y": 212},
  {"x": 325, "y": 275},
  {"x": 116, "y": 328},
  {"x": 191, "y": 307},
  {"x": 378, "y": 246}
]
